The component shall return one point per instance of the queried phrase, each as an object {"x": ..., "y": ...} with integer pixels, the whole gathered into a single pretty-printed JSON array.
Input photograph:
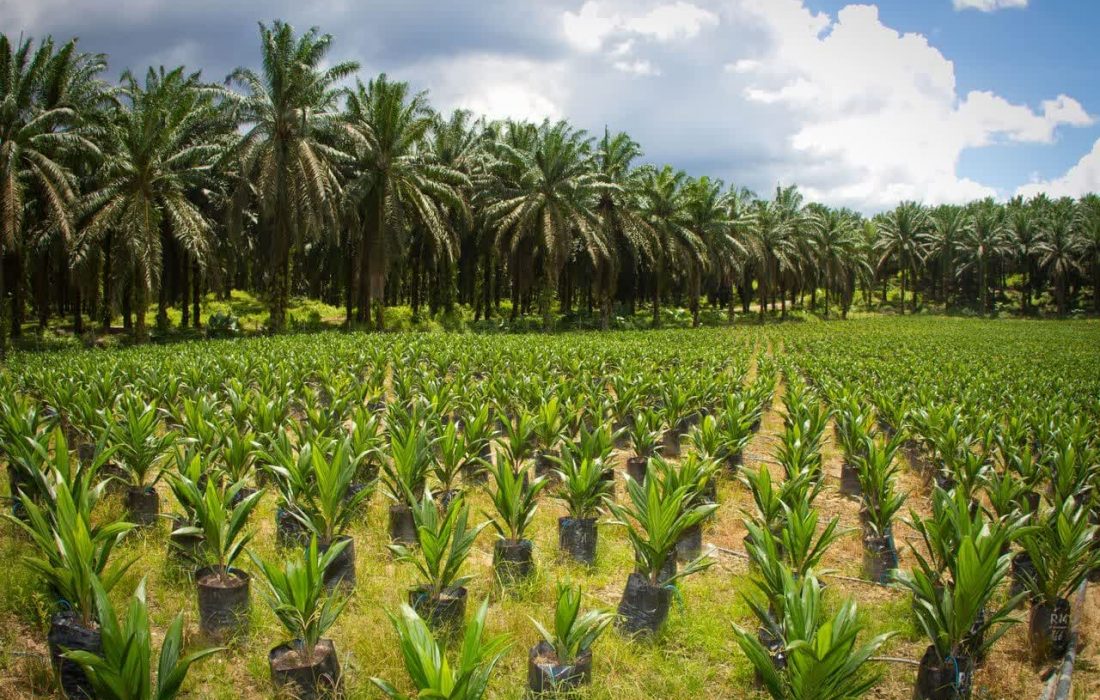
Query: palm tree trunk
[
  {"x": 196, "y": 295},
  {"x": 731, "y": 311},
  {"x": 17, "y": 302},
  {"x": 3, "y": 325},
  {"x": 656, "y": 299},
  {"x": 902, "y": 308},
  {"x": 826, "y": 301},
  {"x": 763, "y": 297}
]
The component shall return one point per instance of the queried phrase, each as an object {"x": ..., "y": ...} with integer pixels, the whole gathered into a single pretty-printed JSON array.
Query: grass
[{"x": 694, "y": 656}]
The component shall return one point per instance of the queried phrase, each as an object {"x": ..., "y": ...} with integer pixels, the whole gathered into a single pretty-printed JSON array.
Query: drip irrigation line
[{"x": 894, "y": 660}]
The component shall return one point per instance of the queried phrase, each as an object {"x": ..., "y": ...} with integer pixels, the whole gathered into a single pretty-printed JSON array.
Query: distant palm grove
[{"x": 120, "y": 199}]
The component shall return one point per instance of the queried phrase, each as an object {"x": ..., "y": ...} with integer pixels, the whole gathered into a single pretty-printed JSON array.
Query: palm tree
[
  {"x": 1025, "y": 239},
  {"x": 287, "y": 161},
  {"x": 900, "y": 233},
  {"x": 547, "y": 194},
  {"x": 984, "y": 241},
  {"x": 707, "y": 215},
  {"x": 941, "y": 242},
  {"x": 1089, "y": 239},
  {"x": 40, "y": 135},
  {"x": 833, "y": 235},
  {"x": 771, "y": 247},
  {"x": 629, "y": 236},
  {"x": 676, "y": 246},
  {"x": 395, "y": 189},
  {"x": 457, "y": 143},
  {"x": 1060, "y": 250},
  {"x": 159, "y": 149}
]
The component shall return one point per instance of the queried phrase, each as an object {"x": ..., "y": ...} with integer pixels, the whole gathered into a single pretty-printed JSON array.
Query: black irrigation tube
[{"x": 1060, "y": 683}]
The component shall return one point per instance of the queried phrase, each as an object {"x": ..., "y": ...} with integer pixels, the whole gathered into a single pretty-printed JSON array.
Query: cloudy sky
[{"x": 859, "y": 104}]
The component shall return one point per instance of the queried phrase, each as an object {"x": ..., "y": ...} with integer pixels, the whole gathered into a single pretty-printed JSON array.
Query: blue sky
[
  {"x": 861, "y": 105},
  {"x": 1020, "y": 53}
]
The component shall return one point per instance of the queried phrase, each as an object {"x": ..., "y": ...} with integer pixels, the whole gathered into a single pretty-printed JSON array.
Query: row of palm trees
[{"x": 155, "y": 190}]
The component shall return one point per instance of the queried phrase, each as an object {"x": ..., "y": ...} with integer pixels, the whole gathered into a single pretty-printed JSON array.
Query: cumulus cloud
[
  {"x": 1082, "y": 178},
  {"x": 885, "y": 104},
  {"x": 988, "y": 5}
]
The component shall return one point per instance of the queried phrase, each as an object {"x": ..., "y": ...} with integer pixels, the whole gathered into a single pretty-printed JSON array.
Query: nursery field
[{"x": 806, "y": 510}]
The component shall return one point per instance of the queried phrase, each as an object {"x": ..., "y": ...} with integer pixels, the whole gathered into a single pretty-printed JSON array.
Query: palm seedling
[
  {"x": 515, "y": 500},
  {"x": 292, "y": 472},
  {"x": 296, "y": 592},
  {"x": 550, "y": 429},
  {"x": 516, "y": 442},
  {"x": 655, "y": 519},
  {"x": 185, "y": 539},
  {"x": 223, "y": 590},
  {"x": 71, "y": 555},
  {"x": 877, "y": 469},
  {"x": 121, "y": 668},
  {"x": 477, "y": 431},
  {"x": 404, "y": 476},
  {"x": 695, "y": 475},
  {"x": 953, "y": 607},
  {"x": 706, "y": 440},
  {"x": 140, "y": 445},
  {"x": 427, "y": 665},
  {"x": 584, "y": 491},
  {"x": 562, "y": 660},
  {"x": 803, "y": 546},
  {"x": 1062, "y": 554},
  {"x": 855, "y": 422},
  {"x": 445, "y": 540},
  {"x": 450, "y": 461},
  {"x": 675, "y": 407},
  {"x": 736, "y": 419},
  {"x": 333, "y": 505},
  {"x": 822, "y": 659},
  {"x": 644, "y": 437}
]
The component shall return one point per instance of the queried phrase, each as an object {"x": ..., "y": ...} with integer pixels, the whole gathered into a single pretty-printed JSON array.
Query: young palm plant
[
  {"x": 332, "y": 506},
  {"x": 445, "y": 540},
  {"x": 515, "y": 500},
  {"x": 953, "y": 610},
  {"x": 404, "y": 476},
  {"x": 140, "y": 445},
  {"x": 655, "y": 519},
  {"x": 550, "y": 429},
  {"x": 644, "y": 438},
  {"x": 223, "y": 590},
  {"x": 120, "y": 669},
  {"x": 877, "y": 469},
  {"x": 427, "y": 664},
  {"x": 1062, "y": 554},
  {"x": 72, "y": 556},
  {"x": 307, "y": 665},
  {"x": 562, "y": 660},
  {"x": 822, "y": 659},
  {"x": 584, "y": 491}
]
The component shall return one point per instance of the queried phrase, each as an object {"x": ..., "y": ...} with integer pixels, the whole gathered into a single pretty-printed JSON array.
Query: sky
[{"x": 860, "y": 105}]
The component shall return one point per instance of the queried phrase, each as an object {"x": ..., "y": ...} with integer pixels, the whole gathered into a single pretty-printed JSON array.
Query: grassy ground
[{"x": 695, "y": 656}]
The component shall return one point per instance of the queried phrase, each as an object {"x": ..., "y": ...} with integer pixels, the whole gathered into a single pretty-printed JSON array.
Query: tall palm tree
[
  {"x": 773, "y": 249},
  {"x": 40, "y": 135},
  {"x": 546, "y": 197},
  {"x": 707, "y": 215},
  {"x": 833, "y": 235},
  {"x": 1024, "y": 239},
  {"x": 1089, "y": 239},
  {"x": 396, "y": 189},
  {"x": 287, "y": 160},
  {"x": 1060, "y": 250},
  {"x": 900, "y": 232},
  {"x": 676, "y": 246},
  {"x": 736, "y": 263},
  {"x": 629, "y": 236},
  {"x": 941, "y": 242},
  {"x": 984, "y": 240},
  {"x": 159, "y": 150}
]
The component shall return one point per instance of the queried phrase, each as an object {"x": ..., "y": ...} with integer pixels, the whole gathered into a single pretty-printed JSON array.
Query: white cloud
[
  {"x": 1082, "y": 178},
  {"x": 883, "y": 106},
  {"x": 988, "y": 5},
  {"x": 587, "y": 29},
  {"x": 679, "y": 20},
  {"x": 502, "y": 86},
  {"x": 637, "y": 67}
]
